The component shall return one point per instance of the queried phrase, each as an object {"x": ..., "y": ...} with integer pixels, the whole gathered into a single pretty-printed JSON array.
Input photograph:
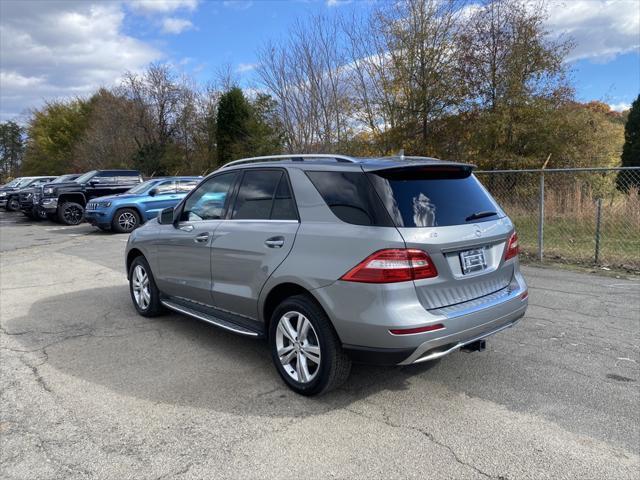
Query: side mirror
[
  {"x": 165, "y": 217},
  {"x": 153, "y": 192}
]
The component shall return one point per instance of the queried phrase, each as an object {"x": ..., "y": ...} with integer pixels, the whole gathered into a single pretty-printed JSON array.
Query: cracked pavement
[{"x": 89, "y": 389}]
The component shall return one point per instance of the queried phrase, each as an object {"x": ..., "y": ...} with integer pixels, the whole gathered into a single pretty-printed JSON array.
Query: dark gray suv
[{"x": 335, "y": 259}]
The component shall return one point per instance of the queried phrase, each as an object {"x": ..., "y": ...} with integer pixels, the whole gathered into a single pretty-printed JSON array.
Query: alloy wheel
[
  {"x": 298, "y": 347},
  {"x": 127, "y": 221},
  {"x": 73, "y": 215},
  {"x": 140, "y": 286}
]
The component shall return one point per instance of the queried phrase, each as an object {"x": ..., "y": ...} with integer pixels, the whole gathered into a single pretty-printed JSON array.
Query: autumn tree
[
  {"x": 513, "y": 73},
  {"x": 631, "y": 149},
  {"x": 53, "y": 133}
]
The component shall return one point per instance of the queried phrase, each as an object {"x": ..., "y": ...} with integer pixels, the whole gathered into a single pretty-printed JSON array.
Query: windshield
[
  {"x": 434, "y": 198},
  {"x": 85, "y": 177},
  {"x": 143, "y": 187},
  {"x": 64, "y": 178},
  {"x": 14, "y": 182},
  {"x": 24, "y": 181}
]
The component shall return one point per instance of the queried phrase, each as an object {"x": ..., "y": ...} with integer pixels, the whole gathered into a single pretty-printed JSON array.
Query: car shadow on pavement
[{"x": 96, "y": 336}]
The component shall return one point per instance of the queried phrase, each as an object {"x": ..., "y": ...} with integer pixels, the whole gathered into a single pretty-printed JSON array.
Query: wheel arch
[
  {"x": 281, "y": 291},
  {"x": 131, "y": 256},
  {"x": 72, "y": 197}
]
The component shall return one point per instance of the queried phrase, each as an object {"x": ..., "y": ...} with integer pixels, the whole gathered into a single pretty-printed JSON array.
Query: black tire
[
  {"x": 29, "y": 214},
  {"x": 40, "y": 214},
  {"x": 154, "y": 307},
  {"x": 334, "y": 366},
  {"x": 13, "y": 204},
  {"x": 71, "y": 213},
  {"x": 125, "y": 220}
]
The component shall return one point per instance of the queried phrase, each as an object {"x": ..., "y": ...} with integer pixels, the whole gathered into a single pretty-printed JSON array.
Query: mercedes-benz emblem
[{"x": 478, "y": 231}]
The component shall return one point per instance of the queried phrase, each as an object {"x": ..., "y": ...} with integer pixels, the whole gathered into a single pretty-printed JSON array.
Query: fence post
[
  {"x": 598, "y": 218},
  {"x": 541, "y": 219}
]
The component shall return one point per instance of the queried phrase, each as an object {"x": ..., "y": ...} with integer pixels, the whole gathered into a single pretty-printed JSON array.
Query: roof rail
[{"x": 295, "y": 157}]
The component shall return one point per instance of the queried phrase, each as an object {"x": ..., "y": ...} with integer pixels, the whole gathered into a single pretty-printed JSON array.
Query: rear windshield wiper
[{"x": 477, "y": 215}]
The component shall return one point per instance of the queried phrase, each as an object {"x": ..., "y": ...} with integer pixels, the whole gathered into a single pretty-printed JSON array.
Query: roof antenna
[{"x": 401, "y": 154}]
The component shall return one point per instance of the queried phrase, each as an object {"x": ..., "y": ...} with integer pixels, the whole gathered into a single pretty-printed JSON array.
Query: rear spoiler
[{"x": 422, "y": 170}]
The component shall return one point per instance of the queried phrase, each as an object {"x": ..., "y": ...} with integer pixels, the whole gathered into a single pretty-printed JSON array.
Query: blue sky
[{"x": 63, "y": 48}]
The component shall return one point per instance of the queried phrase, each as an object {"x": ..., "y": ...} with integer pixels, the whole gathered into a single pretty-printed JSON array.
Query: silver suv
[{"x": 335, "y": 259}]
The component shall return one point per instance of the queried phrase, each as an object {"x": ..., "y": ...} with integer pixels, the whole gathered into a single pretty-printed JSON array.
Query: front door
[
  {"x": 164, "y": 196},
  {"x": 254, "y": 241},
  {"x": 184, "y": 249}
]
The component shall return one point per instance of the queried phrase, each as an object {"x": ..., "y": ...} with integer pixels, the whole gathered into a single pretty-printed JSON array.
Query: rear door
[
  {"x": 253, "y": 241},
  {"x": 446, "y": 212}
]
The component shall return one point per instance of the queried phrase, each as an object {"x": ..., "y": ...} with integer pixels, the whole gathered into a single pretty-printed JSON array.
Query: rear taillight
[
  {"x": 512, "y": 247},
  {"x": 392, "y": 265}
]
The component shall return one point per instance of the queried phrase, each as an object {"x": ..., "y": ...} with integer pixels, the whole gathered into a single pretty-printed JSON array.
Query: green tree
[
  {"x": 232, "y": 133},
  {"x": 246, "y": 129},
  {"x": 11, "y": 148},
  {"x": 631, "y": 149},
  {"x": 53, "y": 133}
]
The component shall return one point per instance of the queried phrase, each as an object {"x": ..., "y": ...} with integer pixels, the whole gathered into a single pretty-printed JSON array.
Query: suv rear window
[
  {"x": 434, "y": 197},
  {"x": 351, "y": 197}
]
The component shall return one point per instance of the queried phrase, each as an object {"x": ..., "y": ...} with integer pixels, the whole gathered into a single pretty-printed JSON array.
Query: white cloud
[
  {"x": 620, "y": 107},
  {"x": 246, "y": 67},
  {"x": 163, "y": 6},
  {"x": 176, "y": 25},
  {"x": 238, "y": 4},
  {"x": 58, "y": 50},
  {"x": 602, "y": 29},
  {"x": 337, "y": 3}
]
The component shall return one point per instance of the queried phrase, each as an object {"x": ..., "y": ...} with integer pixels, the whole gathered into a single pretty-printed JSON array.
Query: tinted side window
[
  {"x": 186, "y": 185},
  {"x": 103, "y": 180},
  {"x": 351, "y": 197},
  {"x": 255, "y": 196},
  {"x": 284, "y": 207},
  {"x": 209, "y": 200},
  {"x": 127, "y": 179},
  {"x": 166, "y": 187}
]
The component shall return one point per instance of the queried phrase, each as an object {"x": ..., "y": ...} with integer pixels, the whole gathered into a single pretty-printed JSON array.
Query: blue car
[{"x": 125, "y": 212}]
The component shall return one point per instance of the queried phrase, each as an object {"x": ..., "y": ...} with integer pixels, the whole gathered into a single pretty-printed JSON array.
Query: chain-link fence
[{"x": 575, "y": 215}]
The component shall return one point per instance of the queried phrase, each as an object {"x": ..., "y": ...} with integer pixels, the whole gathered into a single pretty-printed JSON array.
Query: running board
[{"x": 232, "y": 327}]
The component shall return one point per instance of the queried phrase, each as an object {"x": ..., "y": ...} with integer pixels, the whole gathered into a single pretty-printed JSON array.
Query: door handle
[
  {"x": 186, "y": 228},
  {"x": 274, "y": 242},
  {"x": 201, "y": 238}
]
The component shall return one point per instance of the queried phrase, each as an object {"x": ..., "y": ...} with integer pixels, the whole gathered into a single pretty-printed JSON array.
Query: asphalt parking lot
[{"x": 89, "y": 389}]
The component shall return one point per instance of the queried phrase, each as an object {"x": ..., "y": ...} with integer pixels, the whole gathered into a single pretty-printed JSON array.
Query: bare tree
[
  {"x": 306, "y": 77},
  {"x": 109, "y": 138},
  {"x": 160, "y": 98}
]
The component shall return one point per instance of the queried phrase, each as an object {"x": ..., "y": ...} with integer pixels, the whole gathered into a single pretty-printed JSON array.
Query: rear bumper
[{"x": 365, "y": 329}]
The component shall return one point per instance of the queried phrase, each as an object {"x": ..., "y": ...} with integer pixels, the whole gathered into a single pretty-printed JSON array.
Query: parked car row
[
  {"x": 117, "y": 200},
  {"x": 332, "y": 259}
]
